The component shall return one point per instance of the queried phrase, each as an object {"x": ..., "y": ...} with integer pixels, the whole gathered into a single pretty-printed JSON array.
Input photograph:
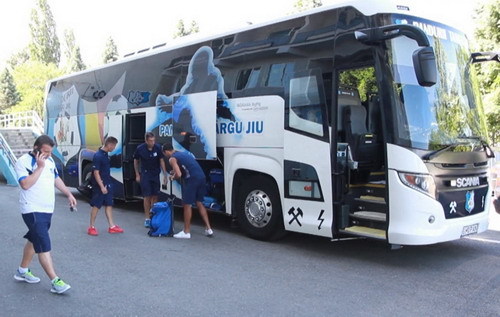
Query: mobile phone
[
  {"x": 71, "y": 208},
  {"x": 35, "y": 152}
]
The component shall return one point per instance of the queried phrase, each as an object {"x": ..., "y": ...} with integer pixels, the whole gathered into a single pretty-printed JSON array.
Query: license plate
[{"x": 470, "y": 229}]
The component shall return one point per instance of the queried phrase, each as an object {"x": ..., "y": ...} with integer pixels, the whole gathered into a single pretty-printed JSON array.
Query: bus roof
[{"x": 368, "y": 8}]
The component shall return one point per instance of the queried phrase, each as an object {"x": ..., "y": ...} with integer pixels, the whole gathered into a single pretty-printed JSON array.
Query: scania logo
[{"x": 465, "y": 182}]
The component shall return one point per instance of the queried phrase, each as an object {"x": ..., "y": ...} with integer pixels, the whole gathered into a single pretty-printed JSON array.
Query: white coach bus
[{"x": 358, "y": 119}]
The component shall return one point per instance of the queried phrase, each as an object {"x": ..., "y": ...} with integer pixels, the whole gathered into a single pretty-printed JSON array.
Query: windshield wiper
[
  {"x": 486, "y": 147},
  {"x": 480, "y": 57},
  {"x": 432, "y": 154}
]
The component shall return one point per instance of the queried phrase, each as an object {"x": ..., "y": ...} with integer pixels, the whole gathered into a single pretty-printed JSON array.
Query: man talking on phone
[{"x": 37, "y": 176}]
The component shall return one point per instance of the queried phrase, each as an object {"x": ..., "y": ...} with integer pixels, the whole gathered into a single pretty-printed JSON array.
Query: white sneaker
[
  {"x": 182, "y": 235},
  {"x": 209, "y": 233}
]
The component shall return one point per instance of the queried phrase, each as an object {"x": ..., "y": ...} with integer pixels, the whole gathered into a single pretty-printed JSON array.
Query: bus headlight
[{"x": 420, "y": 182}]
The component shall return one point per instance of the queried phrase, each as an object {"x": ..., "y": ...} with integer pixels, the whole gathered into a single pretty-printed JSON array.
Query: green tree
[
  {"x": 9, "y": 96},
  {"x": 74, "y": 62},
  {"x": 110, "y": 51},
  {"x": 44, "y": 45},
  {"x": 487, "y": 36},
  {"x": 183, "y": 31},
  {"x": 19, "y": 58},
  {"x": 303, "y": 5},
  {"x": 363, "y": 79},
  {"x": 30, "y": 79}
]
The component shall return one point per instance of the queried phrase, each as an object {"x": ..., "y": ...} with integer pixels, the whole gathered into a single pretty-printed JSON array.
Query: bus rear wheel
[
  {"x": 86, "y": 188},
  {"x": 259, "y": 209}
]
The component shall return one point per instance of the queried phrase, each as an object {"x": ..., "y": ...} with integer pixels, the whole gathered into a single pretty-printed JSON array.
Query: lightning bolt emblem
[{"x": 321, "y": 219}]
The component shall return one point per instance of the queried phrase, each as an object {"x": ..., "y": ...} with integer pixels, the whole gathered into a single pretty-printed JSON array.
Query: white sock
[
  {"x": 55, "y": 279},
  {"x": 23, "y": 270}
]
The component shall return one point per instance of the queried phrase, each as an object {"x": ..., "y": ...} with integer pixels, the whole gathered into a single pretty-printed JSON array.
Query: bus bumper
[{"x": 417, "y": 219}]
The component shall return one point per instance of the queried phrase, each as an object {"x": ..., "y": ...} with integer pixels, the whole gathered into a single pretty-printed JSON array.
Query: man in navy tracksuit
[
  {"x": 193, "y": 184},
  {"x": 150, "y": 158},
  {"x": 102, "y": 189}
]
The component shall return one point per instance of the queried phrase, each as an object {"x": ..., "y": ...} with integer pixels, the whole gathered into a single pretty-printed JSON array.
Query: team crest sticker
[{"x": 469, "y": 201}]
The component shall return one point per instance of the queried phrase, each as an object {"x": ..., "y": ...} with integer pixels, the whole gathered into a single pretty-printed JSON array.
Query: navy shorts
[
  {"x": 99, "y": 199},
  {"x": 38, "y": 224},
  {"x": 150, "y": 185},
  {"x": 193, "y": 190}
]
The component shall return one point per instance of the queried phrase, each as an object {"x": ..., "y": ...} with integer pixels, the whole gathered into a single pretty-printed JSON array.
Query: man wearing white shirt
[{"x": 37, "y": 176}]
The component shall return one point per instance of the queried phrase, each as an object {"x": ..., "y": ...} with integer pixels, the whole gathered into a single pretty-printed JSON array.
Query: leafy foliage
[
  {"x": 487, "y": 36},
  {"x": 30, "y": 79},
  {"x": 74, "y": 62},
  {"x": 362, "y": 79},
  {"x": 183, "y": 31},
  {"x": 9, "y": 96},
  {"x": 110, "y": 51},
  {"x": 303, "y": 5},
  {"x": 44, "y": 45}
]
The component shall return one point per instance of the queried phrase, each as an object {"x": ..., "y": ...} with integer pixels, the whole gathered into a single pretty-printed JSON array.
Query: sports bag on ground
[{"x": 162, "y": 220}]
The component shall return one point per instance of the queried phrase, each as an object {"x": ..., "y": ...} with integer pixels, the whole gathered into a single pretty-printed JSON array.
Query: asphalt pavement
[{"x": 131, "y": 274}]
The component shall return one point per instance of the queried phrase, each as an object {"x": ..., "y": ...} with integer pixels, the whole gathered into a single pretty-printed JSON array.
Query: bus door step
[
  {"x": 369, "y": 215},
  {"x": 371, "y": 199},
  {"x": 365, "y": 232}
]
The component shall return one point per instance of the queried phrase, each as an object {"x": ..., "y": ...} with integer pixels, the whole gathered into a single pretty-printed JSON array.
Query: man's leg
[
  {"x": 154, "y": 200},
  {"x": 147, "y": 206},
  {"x": 46, "y": 261},
  {"x": 203, "y": 214},
  {"x": 93, "y": 215},
  {"x": 188, "y": 212},
  {"x": 109, "y": 214},
  {"x": 28, "y": 254}
]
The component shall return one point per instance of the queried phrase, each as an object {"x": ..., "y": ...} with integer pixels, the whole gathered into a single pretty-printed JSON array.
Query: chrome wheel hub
[{"x": 258, "y": 208}]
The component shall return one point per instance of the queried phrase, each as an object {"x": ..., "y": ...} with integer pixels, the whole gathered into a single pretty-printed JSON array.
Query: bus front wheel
[{"x": 259, "y": 209}]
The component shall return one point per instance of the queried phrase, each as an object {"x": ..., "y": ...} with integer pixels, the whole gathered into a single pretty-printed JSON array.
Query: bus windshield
[{"x": 431, "y": 118}]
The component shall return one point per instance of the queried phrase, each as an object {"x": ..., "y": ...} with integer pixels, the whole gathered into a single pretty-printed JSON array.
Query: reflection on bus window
[
  {"x": 248, "y": 78},
  {"x": 305, "y": 105},
  {"x": 277, "y": 74}
]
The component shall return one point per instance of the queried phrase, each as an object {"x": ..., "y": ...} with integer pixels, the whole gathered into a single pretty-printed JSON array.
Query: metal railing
[
  {"x": 29, "y": 119},
  {"x": 8, "y": 170}
]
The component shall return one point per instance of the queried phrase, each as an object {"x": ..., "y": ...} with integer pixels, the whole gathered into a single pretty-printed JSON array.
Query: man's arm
[
  {"x": 137, "y": 173},
  {"x": 175, "y": 167},
  {"x": 98, "y": 179},
  {"x": 65, "y": 190},
  {"x": 26, "y": 181}
]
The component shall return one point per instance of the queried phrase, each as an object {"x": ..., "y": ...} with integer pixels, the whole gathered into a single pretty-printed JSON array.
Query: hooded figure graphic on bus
[
  {"x": 193, "y": 128},
  {"x": 66, "y": 130}
]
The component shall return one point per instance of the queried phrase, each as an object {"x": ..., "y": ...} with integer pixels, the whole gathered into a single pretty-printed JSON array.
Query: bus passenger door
[
  {"x": 134, "y": 129},
  {"x": 307, "y": 170}
]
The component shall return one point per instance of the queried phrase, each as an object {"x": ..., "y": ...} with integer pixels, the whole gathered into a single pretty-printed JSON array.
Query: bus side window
[{"x": 305, "y": 105}]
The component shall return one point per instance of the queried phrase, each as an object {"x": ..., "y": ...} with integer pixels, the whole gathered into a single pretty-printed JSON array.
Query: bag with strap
[{"x": 162, "y": 220}]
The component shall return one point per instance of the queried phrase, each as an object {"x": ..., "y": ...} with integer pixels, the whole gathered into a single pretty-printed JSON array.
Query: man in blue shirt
[
  {"x": 148, "y": 159},
  {"x": 102, "y": 190},
  {"x": 193, "y": 184}
]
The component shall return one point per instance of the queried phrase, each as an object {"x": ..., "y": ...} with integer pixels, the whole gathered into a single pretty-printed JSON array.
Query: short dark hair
[
  {"x": 149, "y": 135},
  {"x": 44, "y": 139},
  {"x": 110, "y": 139},
  {"x": 167, "y": 147}
]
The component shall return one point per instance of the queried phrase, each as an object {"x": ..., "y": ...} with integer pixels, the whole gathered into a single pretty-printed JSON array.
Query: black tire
[
  {"x": 85, "y": 188},
  {"x": 259, "y": 209}
]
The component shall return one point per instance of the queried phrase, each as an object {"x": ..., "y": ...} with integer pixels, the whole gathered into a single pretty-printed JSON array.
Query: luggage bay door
[
  {"x": 307, "y": 169},
  {"x": 194, "y": 124}
]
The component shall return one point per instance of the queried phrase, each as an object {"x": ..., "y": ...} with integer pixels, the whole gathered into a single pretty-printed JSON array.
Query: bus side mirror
[{"x": 424, "y": 63}]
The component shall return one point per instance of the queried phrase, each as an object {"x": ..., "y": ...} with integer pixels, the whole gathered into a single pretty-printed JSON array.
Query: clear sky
[{"x": 135, "y": 25}]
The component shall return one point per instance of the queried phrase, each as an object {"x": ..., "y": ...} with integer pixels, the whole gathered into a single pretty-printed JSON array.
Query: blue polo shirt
[
  {"x": 150, "y": 160},
  {"x": 101, "y": 162},
  {"x": 189, "y": 166}
]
